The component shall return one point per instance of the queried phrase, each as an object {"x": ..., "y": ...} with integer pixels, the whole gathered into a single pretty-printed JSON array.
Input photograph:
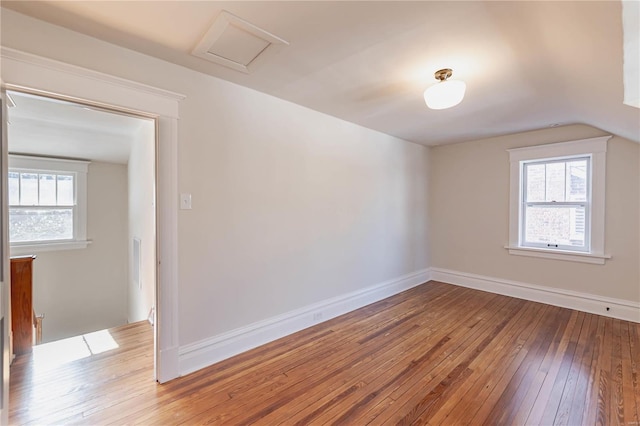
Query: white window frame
[
  {"x": 79, "y": 169},
  {"x": 596, "y": 149}
]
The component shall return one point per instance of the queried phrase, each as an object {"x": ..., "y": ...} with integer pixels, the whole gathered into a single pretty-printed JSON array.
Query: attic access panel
[{"x": 236, "y": 43}]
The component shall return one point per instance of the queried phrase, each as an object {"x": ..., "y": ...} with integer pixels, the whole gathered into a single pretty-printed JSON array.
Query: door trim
[
  {"x": 26, "y": 72},
  {"x": 5, "y": 274}
]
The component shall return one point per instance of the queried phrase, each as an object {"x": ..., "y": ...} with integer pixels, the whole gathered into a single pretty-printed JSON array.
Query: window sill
[
  {"x": 597, "y": 259},
  {"x": 22, "y": 249}
]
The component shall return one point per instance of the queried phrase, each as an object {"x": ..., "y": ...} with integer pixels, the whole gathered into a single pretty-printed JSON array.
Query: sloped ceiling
[{"x": 527, "y": 65}]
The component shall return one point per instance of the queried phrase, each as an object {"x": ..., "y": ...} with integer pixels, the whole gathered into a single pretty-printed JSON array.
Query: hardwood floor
[{"x": 436, "y": 354}]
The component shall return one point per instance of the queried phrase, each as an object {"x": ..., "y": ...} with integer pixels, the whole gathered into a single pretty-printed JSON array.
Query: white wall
[
  {"x": 290, "y": 206},
  {"x": 469, "y": 212},
  {"x": 141, "y": 214},
  {"x": 85, "y": 290}
]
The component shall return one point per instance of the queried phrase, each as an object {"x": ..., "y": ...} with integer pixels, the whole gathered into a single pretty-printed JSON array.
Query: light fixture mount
[{"x": 443, "y": 74}]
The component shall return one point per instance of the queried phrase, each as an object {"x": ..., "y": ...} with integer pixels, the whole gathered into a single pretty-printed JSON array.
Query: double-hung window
[
  {"x": 557, "y": 200},
  {"x": 47, "y": 204},
  {"x": 555, "y": 203}
]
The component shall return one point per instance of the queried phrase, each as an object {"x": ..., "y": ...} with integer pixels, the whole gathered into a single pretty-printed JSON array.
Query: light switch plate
[{"x": 185, "y": 201}]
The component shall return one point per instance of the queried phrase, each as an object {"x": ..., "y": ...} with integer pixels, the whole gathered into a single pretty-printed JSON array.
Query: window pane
[
  {"x": 14, "y": 188},
  {"x": 535, "y": 182},
  {"x": 555, "y": 225},
  {"x": 47, "y": 190},
  {"x": 65, "y": 190},
  {"x": 28, "y": 189},
  {"x": 555, "y": 182},
  {"x": 577, "y": 180},
  {"x": 40, "y": 224}
]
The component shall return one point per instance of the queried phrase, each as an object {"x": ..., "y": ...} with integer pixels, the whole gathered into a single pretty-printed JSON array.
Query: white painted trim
[
  {"x": 41, "y": 61},
  {"x": 631, "y": 54},
  {"x": 167, "y": 250},
  {"x": 18, "y": 249},
  {"x": 6, "y": 351},
  {"x": 597, "y": 149},
  {"x": 168, "y": 362},
  {"x": 78, "y": 83},
  {"x": 209, "y": 351},
  {"x": 21, "y": 161},
  {"x": 559, "y": 149},
  {"x": 24, "y": 71},
  {"x": 585, "y": 302},
  {"x": 596, "y": 259}
]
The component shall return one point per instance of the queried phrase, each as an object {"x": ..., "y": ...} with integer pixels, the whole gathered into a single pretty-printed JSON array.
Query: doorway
[
  {"x": 82, "y": 202},
  {"x": 44, "y": 76}
]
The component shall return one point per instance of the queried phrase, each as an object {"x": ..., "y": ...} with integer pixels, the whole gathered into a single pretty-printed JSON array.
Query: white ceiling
[
  {"x": 48, "y": 127},
  {"x": 527, "y": 65}
]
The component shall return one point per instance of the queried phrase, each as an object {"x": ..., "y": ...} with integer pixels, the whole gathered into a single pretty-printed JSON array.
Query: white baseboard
[
  {"x": 591, "y": 303},
  {"x": 209, "y": 351}
]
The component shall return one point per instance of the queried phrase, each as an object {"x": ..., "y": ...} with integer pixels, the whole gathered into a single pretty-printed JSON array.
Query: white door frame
[
  {"x": 24, "y": 71},
  {"x": 5, "y": 275}
]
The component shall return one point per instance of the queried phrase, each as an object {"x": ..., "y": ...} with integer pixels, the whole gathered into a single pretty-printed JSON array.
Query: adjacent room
[
  {"x": 77, "y": 176},
  {"x": 322, "y": 212}
]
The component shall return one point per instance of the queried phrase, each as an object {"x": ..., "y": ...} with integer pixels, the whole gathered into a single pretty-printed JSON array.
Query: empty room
[{"x": 365, "y": 212}]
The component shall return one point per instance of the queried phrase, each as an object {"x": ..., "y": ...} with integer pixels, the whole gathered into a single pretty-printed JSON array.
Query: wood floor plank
[
  {"x": 414, "y": 395},
  {"x": 235, "y": 406},
  {"x": 630, "y": 403},
  {"x": 386, "y": 385},
  {"x": 380, "y": 352},
  {"x": 603, "y": 415},
  {"x": 525, "y": 380},
  {"x": 484, "y": 369},
  {"x": 634, "y": 354},
  {"x": 616, "y": 396},
  {"x": 590, "y": 407},
  {"x": 581, "y": 368},
  {"x": 436, "y": 354},
  {"x": 571, "y": 391},
  {"x": 379, "y": 349},
  {"x": 553, "y": 403},
  {"x": 544, "y": 370},
  {"x": 550, "y": 368},
  {"x": 489, "y": 404},
  {"x": 232, "y": 371}
]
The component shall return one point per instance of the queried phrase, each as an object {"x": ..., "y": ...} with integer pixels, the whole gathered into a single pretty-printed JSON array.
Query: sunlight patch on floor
[{"x": 51, "y": 355}]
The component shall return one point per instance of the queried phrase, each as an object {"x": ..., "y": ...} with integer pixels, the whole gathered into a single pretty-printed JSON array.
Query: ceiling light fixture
[{"x": 446, "y": 93}]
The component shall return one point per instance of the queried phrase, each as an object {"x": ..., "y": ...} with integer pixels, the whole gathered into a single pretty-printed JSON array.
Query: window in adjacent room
[
  {"x": 47, "y": 203},
  {"x": 557, "y": 200}
]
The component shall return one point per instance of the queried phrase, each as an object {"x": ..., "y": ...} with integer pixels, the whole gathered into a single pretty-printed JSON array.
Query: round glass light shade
[{"x": 445, "y": 94}]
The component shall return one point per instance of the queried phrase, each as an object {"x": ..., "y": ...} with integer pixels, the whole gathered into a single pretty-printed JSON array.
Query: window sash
[
  {"x": 72, "y": 237},
  {"x": 525, "y": 205},
  {"x": 60, "y": 206},
  {"x": 527, "y": 164},
  {"x": 556, "y": 245},
  {"x": 39, "y": 172}
]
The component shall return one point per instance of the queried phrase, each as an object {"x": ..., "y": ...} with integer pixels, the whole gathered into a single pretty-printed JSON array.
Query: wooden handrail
[{"x": 37, "y": 323}]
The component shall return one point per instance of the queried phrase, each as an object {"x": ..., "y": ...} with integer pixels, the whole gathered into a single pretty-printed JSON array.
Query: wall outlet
[{"x": 317, "y": 316}]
